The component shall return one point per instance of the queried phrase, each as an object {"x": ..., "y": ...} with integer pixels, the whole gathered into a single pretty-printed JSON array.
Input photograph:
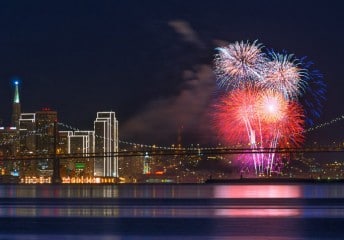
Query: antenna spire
[{"x": 16, "y": 92}]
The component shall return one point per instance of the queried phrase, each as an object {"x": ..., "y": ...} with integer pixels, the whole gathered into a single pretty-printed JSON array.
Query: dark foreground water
[{"x": 208, "y": 211}]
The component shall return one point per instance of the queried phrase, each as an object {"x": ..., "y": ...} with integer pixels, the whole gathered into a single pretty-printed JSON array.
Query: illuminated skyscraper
[
  {"x": 27, "y": 127},
  {"x": 63, "y": 148},
  {"x": 45, "y": 131},
  {"x": 8, "y": 138},
  {"x": 16, "y": 109},
  {"x": 106, "y": 143},
  {"x": 82, "y": 143},
  {"x": 86, "y": 142}
]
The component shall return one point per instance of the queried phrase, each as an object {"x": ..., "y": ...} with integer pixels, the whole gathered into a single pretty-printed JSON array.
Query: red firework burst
[{"x": 255, "y": 116}]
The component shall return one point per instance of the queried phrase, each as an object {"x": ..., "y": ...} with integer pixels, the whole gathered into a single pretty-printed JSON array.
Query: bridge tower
[
  {"x": 56, "y": 178},
  {"x": 146, "y": 164},
  {"x": 179, "y": 137}
]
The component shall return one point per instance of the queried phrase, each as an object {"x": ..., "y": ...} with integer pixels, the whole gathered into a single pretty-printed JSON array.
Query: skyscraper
[
  {"x": 87, "y": 142},
  {"x": 82, "y": 143},
  {"x": 16, "y": 109},
  {"x": 8, "y": 141},
  {"x": 27, "y": 127},
  {"x": 45, "y": 131},
  {"x": 106, "y": 143}
]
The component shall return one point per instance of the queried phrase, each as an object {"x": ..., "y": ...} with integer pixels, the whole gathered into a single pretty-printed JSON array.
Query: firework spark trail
[
  {"x": 262, "y": 114},
  {"x": 262, "y": 99}
]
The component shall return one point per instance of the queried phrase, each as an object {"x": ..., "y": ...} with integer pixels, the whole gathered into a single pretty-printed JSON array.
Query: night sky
[{"x": 152, "y": 61}]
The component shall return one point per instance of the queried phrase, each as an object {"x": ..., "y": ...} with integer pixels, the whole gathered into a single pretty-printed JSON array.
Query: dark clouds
[
  {"x": 160, "y": 120},
  {"x": 187, "y": 33},
  {"x": 187, "y": 110}
]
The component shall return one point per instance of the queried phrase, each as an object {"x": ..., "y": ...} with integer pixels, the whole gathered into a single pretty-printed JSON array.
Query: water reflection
[
  {"x": 59, "y": 191},
  {"x": 254, "y": 213},
  {"x": 106, "y": 191},
  {"x": 171, "y": 201},
  {"x": 247, "y": 211},
  {"x": 173, "y": 191},
  {"x": 258, "y": 191}
]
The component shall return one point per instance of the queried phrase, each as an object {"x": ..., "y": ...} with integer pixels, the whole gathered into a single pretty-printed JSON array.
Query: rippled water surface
[{"x": 192, "y": 211}]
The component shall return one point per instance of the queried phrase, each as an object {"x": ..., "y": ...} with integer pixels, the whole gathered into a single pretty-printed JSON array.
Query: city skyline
[
  {"x": 35, "y": 134},
  {"x": 153, "y": 64}
]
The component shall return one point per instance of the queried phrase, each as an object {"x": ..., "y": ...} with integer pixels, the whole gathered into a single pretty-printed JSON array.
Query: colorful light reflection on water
[{"x": 258, "y": 191}]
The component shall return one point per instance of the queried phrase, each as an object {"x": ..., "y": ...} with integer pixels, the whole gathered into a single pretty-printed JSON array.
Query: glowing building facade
[
  {"x": 8, "y": 143},
  {"x": 106, "y": 144},
  {"x": 82, "y": 143},
  {"x": 27, "y": 131}
]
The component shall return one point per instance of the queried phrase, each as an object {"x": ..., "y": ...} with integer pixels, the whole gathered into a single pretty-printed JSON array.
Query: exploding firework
[
  {"x": 239, "y": 63},
  {"x": 268, "y": 100},
  {"x": 284, "y": 74},
  {"x": 271, "y": 106}
]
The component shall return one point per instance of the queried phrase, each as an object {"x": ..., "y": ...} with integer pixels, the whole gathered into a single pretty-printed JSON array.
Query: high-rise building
[
  {"x": 27, "y": 131},
  {"x": 80, "y": 146},
  {"x": 87, "y": 140},
  {"x": 63, "y": 149},
  {"x": 8, "y": 138},
  {"x": 45, "y": 131},
  {"x": 16, "y": 109},
  {"x": 82, "y": 143},
  {"x": 106, "y": 144}
]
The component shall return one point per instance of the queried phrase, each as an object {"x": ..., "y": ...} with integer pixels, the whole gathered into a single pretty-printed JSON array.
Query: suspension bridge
[{"x": 156, "y": 150}]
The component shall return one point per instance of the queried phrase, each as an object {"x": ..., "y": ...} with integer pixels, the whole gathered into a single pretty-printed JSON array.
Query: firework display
[{"x": 264, "y": 105}]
